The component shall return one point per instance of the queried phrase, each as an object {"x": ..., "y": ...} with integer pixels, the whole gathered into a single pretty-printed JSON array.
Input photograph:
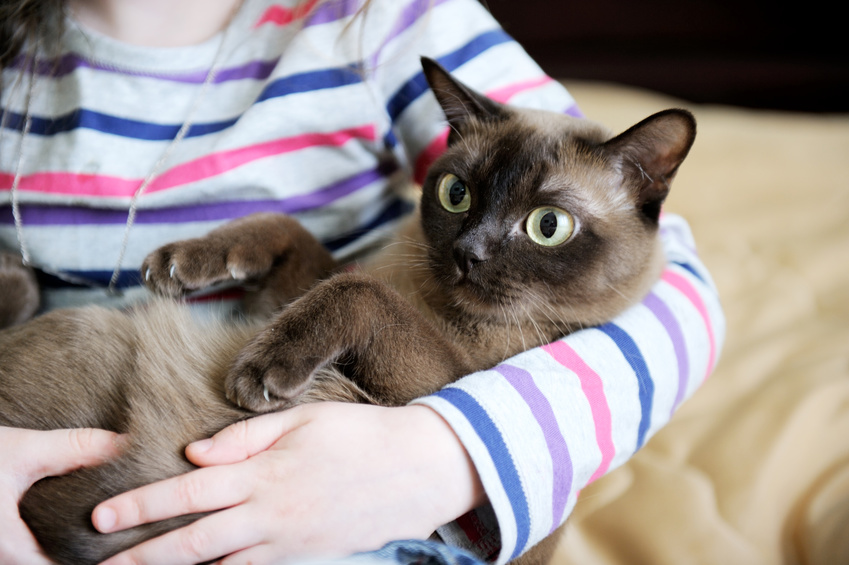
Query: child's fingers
[
  {"x": 244, "y": 439},
  {"x": 57, "y": 452},
  {"x": 209, "y": 538},
  {"x": 202, "y": 490}
]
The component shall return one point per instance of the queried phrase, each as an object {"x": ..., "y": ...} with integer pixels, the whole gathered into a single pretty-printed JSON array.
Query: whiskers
[
  {"x": 529, "y": 318},
  {"x": 407, "y": 259},
  {"x": 617, "y": 291}
]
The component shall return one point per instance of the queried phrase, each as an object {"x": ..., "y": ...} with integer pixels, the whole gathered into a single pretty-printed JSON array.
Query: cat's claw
[
  {"x": 265, "y": 393},
  {"x": 147, "y": 275},
  {"x": 173, "y": 270}
]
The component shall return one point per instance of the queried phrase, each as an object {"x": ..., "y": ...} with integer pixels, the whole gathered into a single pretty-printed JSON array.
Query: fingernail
[
  {"x": 104, "y": 519},
  {"x": 202, "y": 446}
]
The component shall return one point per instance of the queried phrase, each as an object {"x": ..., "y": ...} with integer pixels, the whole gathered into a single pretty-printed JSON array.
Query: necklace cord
[
  {"x": 154, "y": 172},
  {"x": 31, "y": 63}
]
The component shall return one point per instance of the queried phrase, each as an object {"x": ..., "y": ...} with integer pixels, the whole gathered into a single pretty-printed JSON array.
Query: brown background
[{"x": 746, "y": 53}]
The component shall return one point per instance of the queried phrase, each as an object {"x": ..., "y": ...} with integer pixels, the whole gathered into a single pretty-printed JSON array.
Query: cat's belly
[{"x": 94, "y": 367}]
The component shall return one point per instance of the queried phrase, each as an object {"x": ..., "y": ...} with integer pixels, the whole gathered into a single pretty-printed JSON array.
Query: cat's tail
[{"x": 58, "y": 511}]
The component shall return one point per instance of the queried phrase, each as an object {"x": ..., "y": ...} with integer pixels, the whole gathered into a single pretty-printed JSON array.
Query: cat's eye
[
  {"x": 550, "y": 226},
  {"x": 453, "y": 194}
]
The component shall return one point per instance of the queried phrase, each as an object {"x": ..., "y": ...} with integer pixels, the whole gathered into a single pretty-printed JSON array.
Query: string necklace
[{"x": 111, "y": 289}]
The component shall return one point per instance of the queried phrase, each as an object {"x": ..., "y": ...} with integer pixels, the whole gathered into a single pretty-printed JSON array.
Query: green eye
[
  {"x": 453, "y": 194},
  {"x": 550, "y": 226}
]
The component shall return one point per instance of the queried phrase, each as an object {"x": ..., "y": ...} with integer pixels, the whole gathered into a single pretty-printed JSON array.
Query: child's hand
[
  {"x": 27, "y": 456},
  {"x": 323, "y": 479}
]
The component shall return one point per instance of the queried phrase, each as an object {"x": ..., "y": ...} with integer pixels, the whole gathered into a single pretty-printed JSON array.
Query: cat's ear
[
  {"x": 458, "y": 101},
  {"x": 650, "y": 154}
]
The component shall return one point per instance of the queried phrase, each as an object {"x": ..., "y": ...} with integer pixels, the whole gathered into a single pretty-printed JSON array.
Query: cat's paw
[
  {"x": 177, "y": 268},
  {"x": 264, "y": 380}
]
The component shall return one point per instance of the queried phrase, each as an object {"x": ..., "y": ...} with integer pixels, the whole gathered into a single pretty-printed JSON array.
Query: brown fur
[
  {"x": 458, "y": 292},
  {"x": 19, "y": 290}
]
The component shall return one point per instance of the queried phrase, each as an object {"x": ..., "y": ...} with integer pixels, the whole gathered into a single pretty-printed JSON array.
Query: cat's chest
[{"x": 487, "y": 343}]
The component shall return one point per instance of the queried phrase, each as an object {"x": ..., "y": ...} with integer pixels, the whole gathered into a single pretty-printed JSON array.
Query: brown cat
[{"x": 532, "y": 225}]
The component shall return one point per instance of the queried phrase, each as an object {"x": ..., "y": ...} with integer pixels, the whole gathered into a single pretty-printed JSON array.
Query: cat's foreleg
[
  {"x": 380, "y": 341},
  {"x": 272, "y": 251}
]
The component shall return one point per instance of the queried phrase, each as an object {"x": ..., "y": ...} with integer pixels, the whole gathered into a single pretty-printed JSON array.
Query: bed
[{"x": 754, "y": 468}]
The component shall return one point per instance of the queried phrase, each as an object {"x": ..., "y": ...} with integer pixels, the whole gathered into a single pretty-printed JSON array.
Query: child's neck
[{"x": 155, "y": 23}]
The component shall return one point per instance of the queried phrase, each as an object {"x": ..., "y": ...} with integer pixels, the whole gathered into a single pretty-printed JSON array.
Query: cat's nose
[{"x": 467, "y": 256}]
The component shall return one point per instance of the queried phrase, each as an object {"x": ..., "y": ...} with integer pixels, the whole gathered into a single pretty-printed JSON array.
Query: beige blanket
[{"x": 754, "y": 468}]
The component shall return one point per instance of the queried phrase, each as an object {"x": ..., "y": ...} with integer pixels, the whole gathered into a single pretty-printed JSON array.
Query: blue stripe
[
  {"x": 644, "y": 381},
  {"x": 417, "y": 85},
  {"x": 390, "y": 140},
  {"x": 149, "y": 131},
  {"x": 310, "y": 82},
  {"x": 489, "y": 434},
  {"x": 689, "y": 268},
  {"x": 397, "y": 208},
  {"x": 98, "y": 279},
  {"x": 113, "y": 125}
]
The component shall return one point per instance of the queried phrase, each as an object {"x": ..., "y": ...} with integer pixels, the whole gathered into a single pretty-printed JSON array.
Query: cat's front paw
[
  {"x": 177, "y": 268},
  {"x": 264, "y": 380}
]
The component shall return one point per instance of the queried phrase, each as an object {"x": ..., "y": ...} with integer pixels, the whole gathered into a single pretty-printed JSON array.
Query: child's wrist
[{"x": 446, "y": 467}]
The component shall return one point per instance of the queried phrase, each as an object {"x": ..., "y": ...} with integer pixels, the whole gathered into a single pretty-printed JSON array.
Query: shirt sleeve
[
  {"x": 467, "y": 41},
  {"x": 546, "y": 423}
]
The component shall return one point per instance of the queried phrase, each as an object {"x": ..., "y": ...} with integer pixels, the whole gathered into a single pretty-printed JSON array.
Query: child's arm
[{"x": 546, "y": 423}]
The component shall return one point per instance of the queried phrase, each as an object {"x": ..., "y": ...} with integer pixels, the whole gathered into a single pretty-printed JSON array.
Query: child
[{"x": 148, "y": 122}]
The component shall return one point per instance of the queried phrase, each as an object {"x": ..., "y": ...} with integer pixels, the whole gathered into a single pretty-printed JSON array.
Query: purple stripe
[
  {"x": 409, "y": 16},
  {"x": 327, "y": 12},
  {"x": 574, "y": 111},
  {"x": 40, "y": 215},
  {"x": 664, "y": 314},
  {"x": 255, "y": 70},
  {"x": 561, "y": 462}
]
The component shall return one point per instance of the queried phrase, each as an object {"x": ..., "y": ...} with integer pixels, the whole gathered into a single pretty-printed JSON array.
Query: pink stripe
[
  {"x": 593, "y": 388},
  {"x": 505, "y": 93},
  {"x": 280, "y": 15},
  {"x": 438, "y": 145},
  {"x": 429, "y": 155},
  {"x": 192, "y": 171},
  {"x": 277, "y": 15},
  {"x": 687, "y": 289}
]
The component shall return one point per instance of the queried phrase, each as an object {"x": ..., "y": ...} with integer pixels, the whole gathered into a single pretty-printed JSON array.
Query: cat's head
[{"x": 541, "y": 215}]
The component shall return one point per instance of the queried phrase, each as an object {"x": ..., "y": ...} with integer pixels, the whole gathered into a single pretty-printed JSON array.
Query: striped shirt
[
  {"x": 310, "y": 114},
  {"x": 300, "y": 118},
  {"x": 543, "y": 425}
]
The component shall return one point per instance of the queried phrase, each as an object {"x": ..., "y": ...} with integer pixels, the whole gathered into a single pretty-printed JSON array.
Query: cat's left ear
[
  {"x": 459, "y": 102},
  {"x": 650, "y": 154}
]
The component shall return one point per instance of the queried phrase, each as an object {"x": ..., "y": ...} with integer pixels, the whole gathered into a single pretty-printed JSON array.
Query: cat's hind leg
[{"x": 19, "y": 296}]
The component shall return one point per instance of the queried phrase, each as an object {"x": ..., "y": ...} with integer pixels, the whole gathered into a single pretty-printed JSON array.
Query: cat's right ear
[
  {"x": 458, "y": 101},
  {"x": 650, "y": 154}
]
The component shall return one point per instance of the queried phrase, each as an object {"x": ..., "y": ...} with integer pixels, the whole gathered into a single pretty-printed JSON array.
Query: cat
[{"x": 530, "y": 226}]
